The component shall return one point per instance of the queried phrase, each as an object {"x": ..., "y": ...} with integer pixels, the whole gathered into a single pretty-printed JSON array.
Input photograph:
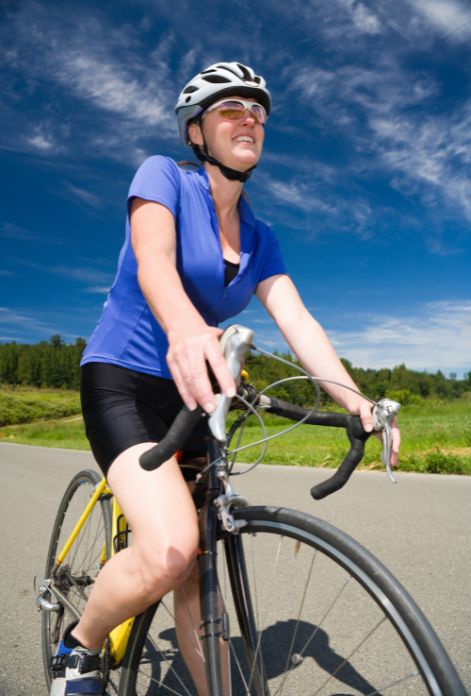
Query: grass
[
  {"x": 436, "y": 435},
  {"x": 24, "y": 405}
]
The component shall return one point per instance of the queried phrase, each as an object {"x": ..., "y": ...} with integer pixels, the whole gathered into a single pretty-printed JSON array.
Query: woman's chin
[{"x": 246, "y": 160}]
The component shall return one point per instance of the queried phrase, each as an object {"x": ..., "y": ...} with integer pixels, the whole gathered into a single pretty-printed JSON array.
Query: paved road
[{"x": 421, "y": 529}]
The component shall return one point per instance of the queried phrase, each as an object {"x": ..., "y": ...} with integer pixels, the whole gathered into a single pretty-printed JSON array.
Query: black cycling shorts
[{"x": 122, "y": 408}]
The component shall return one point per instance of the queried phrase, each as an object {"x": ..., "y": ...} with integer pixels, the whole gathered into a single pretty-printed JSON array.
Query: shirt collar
[{"x": 245, "y": 211}]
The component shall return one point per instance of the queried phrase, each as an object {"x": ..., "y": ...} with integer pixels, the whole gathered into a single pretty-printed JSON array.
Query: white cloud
[
  {"x": 12, "y": 231},
  {"x": 87, "y": 197},
  {"x": 85, "y": 275},
  {"x": 391, "y": 120},
  {"x": 438, "y": 336},
  {"x": 366, "y": 21},
  {"x": 448, "y": 16},
  {"x": 41, "y": 142},
  {"x": 16, "y": 325},
  {"x": 439, "y": 248},
  {"x": 81, "y": 56},
  {"x": 88, "y": 275},
  {"x": 299, "y": 194},
  {"x": 113, "y": 87},
  {"x": 363, "y": 19},
  {"x": 97, "y": 290},
  {"x": 28, "y": 326},
  {"x": 434, "y": 151},
  {"x": 434, "y": 336}
]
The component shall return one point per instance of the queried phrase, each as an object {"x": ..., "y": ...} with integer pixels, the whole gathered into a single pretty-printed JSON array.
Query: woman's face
[{"x": 236, "y": 143}]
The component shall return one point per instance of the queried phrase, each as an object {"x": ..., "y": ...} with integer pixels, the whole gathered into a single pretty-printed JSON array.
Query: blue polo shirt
[{"x": 127, "y": 333}]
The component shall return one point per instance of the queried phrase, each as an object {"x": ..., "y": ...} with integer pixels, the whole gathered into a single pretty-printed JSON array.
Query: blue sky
[{"x": 365, "y": 177}]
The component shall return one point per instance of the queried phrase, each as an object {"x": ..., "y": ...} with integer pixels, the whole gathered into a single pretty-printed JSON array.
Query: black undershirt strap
[{"x": 230, "y": 271}]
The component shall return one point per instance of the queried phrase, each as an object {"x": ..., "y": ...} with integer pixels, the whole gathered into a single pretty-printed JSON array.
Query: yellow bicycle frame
[{"x": 119, "y": 636}]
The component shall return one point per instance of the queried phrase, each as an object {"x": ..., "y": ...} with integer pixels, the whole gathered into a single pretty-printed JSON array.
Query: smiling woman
[{"x": 194, "y": 255}]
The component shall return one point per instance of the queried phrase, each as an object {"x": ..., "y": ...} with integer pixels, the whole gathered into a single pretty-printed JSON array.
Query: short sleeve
[
  {"x": 157, "y": 180},
  {"x": 273, "y": 262}
]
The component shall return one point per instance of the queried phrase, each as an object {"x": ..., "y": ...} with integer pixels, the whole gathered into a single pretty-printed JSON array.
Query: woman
[{"x": 193, "y": 256}]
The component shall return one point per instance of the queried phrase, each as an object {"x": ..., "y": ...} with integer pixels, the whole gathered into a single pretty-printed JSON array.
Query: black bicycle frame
[
  {"x": 215, "y": 627},
  {"x": 212, "y": 618}
]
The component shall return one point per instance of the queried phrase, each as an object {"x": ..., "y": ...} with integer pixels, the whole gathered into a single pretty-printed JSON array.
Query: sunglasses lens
[
  {"x": 233, "y": 110},
  {"x": 259, "y": 112}
]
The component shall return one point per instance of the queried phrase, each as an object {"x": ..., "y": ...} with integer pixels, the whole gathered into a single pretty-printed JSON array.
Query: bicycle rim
[
  {"x": 88, "y": 553},
  {"x": 329, "y": 620}
]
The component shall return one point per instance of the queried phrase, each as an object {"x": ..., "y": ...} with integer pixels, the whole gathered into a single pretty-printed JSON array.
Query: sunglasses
[{"x": 234, "y": 109}]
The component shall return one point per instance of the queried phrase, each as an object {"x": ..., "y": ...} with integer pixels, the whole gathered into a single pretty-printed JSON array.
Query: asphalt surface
[{"x": 420, "y": 529}]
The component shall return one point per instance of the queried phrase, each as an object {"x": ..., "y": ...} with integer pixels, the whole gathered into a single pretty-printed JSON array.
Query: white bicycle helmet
[{"x": 215, "y": 82}]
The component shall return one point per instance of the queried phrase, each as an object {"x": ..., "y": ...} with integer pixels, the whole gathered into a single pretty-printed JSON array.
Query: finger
[
  {"x": 195, "y": 374},
  {"x": 366, "y": 417},
  {"x": 203, "y": 391},
  {"x": 220, "y": 369},
  {"x": 181, "y": 384},
  {"x": 187, "y": 361},
  {"x": 395, "y": 444}
]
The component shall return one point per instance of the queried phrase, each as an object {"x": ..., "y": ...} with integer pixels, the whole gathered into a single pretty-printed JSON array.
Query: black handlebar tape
[
  {"x": 357, "y": 436},
  {"x": 173, "y": 440},
  {"x": 297, "y": 413}
]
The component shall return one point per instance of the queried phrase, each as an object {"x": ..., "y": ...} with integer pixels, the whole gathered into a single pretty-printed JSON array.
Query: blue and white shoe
[
  {"x": 83, "y": 675},
  {"x": 58, "y": 670}
]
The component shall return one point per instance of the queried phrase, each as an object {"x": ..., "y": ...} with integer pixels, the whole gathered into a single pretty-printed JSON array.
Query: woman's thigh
[
  {"x": 157, "y": 504},
  {"x": 123, "y": 408}
]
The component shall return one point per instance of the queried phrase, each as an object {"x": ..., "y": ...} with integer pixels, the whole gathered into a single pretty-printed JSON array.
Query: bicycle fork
[{"x": 215, "y": 620}]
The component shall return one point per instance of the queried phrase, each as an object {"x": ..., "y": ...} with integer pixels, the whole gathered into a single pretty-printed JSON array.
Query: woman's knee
[{"x": 164, "y": 567}]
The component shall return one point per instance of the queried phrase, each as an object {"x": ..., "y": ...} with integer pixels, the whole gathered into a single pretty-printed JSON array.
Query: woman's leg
[
  {"x": 187, "y": 624},
  {"x": 160, "y": 512},
  {"x": 187, "y": 612}
]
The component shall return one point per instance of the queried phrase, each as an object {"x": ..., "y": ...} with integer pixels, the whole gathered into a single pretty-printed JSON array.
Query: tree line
[
  {"x": 55, "y": 364},
  {"x": 45, "y": 364}
]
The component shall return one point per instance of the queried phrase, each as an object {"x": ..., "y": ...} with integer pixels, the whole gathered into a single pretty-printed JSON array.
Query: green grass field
[{"x": 436, "y": 436}]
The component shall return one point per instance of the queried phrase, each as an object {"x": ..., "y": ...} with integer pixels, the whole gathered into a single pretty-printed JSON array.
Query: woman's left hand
[{"x": 366, "y": 417}]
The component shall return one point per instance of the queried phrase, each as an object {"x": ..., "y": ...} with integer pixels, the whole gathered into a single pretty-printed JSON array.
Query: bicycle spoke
[
  {"x": 162, "y": 653},
  {"x": 329, "y": 618},
  {"x": 397, "y": 682},
  {"x": 347, "y": 659},
  {"x": 296, "y": 626},
  {"x": 74, "y": 578}
]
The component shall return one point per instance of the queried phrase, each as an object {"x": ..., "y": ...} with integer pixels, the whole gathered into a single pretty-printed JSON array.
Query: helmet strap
[{"x": 232, "y": 174}]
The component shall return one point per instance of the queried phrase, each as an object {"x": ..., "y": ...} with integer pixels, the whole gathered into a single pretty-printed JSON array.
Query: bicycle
[{"x": 289, "y": 604}]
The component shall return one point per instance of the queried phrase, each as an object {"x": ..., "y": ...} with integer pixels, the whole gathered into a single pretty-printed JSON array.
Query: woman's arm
[
  {"x": 310, "y": 344},
  {"x": 191, "y": 341}
]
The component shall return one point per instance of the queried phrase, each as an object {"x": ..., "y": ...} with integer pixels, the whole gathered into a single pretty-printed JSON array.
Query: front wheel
[
  {"x": 324, "y": 617},
  {"x": 330, "y": 617}
]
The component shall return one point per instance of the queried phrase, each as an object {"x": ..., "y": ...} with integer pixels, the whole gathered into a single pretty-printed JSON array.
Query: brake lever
[
  {"x": 384, "y": 412},
  {"x": 235, "y": 343}
]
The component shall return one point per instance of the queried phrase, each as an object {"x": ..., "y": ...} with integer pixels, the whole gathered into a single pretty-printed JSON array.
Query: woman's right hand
[{"x": 191, "y": 350}]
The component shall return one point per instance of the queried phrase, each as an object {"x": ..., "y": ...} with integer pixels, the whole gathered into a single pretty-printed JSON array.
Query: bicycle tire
[
  {"x": 335, "y": 621},
  {"x": 88, "y": 553}
]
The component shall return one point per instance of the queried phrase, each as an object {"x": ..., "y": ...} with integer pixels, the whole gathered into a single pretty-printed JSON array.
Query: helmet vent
[
  {"x": 245, "y": 72},
  {"x": 190, "y": 90},
  {"x": 215, "y": 78}
]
